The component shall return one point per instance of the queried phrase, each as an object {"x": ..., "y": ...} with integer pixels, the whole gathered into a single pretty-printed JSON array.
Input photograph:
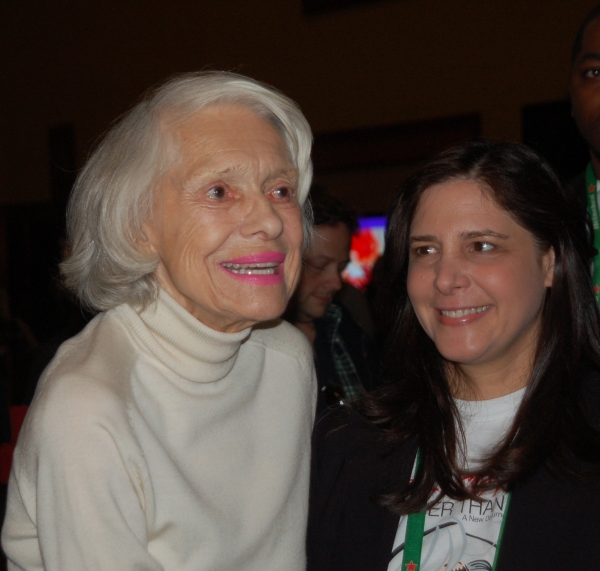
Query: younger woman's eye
[
  {"x": 424, "y": 250},
  {"x": 217, "y": 192},
  {"x": 483, "y": 246}
]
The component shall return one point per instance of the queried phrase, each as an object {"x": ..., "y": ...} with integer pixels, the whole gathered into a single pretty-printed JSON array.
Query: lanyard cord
[
  {"x": 413, "y": 538},
  {"x": 415, "y": 528},
  {"x": 591, "y": 184}
]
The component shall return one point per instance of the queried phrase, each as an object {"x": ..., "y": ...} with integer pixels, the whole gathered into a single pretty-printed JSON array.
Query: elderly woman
[
  {"x": 172, "y": 434},
  {"x": 483, "y": 451}
]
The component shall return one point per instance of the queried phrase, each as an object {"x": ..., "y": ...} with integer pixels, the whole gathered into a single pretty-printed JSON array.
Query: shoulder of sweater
[
  {"x": 85, "y": 379},
  {"x": 284, "y": 338}
]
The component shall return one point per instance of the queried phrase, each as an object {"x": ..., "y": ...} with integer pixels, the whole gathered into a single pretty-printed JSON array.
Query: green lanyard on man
[{"x": 591, "y": 185}]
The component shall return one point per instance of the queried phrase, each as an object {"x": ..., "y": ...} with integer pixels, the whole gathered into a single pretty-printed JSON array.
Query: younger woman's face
[{"x": 476, "y": 279}]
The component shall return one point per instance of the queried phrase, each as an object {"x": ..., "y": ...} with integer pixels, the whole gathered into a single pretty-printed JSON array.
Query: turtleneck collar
[{"x": 182, "y": 343}]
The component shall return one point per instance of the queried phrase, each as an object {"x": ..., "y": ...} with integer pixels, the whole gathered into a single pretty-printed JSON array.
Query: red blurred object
[
  {"x": 17, "y": 416},
  {"x": 366, "y": 247}
]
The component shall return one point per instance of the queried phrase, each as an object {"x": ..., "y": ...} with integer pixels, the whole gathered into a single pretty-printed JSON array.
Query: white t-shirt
[{"x": 462, "y": 536}]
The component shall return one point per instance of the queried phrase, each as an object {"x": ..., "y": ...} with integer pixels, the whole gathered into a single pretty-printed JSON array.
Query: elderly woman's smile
[
  {"x": 227, "y": 224},
  {"x": 262, "y": 268}
]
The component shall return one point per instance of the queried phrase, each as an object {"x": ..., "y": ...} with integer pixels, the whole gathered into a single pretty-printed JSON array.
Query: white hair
[{"x": 112, "y": 197}]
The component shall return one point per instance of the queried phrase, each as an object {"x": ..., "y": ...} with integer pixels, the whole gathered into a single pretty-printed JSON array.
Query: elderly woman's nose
[
  {"x": 450, "y": 274},
  {"x": 261, "y": 218}
]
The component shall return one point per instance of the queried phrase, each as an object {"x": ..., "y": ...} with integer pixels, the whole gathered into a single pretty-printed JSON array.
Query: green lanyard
[
  {"x": 415, "y": 527},
  {"x": 591, "y": 183}
]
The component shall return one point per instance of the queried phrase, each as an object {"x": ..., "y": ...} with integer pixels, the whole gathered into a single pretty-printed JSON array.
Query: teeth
[
  {"x": 251, "y": 266},
  {"x": 259, "y": 269},
  {"x": 253, "y": 272},
  {"x": 463, "y": 312}
]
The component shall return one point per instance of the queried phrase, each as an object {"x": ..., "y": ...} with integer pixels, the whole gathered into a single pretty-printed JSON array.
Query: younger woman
[{"x": 483, "y": 451}]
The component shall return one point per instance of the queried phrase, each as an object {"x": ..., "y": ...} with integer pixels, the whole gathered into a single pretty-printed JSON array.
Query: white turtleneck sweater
[{"x": 155, "y": 443}]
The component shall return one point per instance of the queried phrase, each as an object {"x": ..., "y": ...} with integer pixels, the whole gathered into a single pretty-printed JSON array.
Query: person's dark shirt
[{"x": 359, "y": 347}]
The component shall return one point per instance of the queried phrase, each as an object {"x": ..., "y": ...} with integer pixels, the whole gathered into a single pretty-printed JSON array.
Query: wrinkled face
[
  {"x": 227, "y": 225},
  {"x": 476, "y": 279},
  {"x": 324, "y": 262},
  {"x": 585, "y": 87}
]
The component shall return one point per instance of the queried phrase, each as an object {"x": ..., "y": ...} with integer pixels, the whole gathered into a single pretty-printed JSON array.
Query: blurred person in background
[
  {"x": 158, "y": 438},
  {"x": 585, "y": 101},
  {"x": 343, "y": 348}
]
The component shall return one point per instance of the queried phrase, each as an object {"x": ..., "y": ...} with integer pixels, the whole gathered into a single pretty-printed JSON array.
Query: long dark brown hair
[{"x": 417, "y": 405}]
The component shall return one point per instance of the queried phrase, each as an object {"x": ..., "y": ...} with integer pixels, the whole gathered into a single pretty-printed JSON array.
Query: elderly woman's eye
[
  {"x": 283, "y": 192},
  {"x": 217, "y": 192}
]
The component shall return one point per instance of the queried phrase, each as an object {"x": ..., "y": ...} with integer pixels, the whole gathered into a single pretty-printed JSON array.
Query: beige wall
[{"x": 86, "y": 62}]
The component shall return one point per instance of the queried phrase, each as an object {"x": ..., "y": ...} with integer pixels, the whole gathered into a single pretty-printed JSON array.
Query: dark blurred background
[{"x": 384, "y": 85}]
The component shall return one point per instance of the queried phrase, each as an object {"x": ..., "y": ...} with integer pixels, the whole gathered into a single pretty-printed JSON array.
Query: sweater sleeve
[{"x": 77, "y": 490}]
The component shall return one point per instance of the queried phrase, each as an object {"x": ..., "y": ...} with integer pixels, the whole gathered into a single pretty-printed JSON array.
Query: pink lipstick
[{"x": 262, "y": 268}]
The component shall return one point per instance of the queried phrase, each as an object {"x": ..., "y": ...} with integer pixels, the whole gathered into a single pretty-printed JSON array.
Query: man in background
[
  {"x": 343, "y": 349},
  {"x": 585, "y": 101}
]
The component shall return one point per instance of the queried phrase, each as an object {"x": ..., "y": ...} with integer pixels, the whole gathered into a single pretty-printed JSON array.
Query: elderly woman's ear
[{"x": 146, "y": 240}]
